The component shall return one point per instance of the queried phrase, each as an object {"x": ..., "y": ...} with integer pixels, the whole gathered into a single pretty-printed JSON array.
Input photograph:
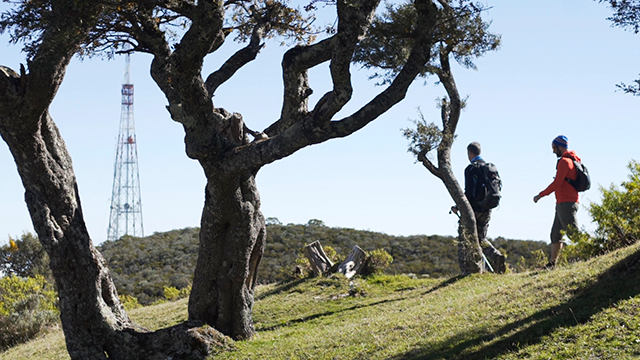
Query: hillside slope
[
  {"x": 586, "y": 310},
  {"x": 142, "y": 267}
]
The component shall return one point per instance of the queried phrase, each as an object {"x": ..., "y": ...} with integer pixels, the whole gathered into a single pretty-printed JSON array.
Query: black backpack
[
  {"x": 583, "y": 180},
  {"x": 487, "y": 194}
]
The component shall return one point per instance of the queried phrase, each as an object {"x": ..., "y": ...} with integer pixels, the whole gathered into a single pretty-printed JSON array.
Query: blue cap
[{"x": 561, "y": 141}]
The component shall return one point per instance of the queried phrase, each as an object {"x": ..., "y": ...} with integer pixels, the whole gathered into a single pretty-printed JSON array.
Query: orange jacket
[{"x": 565, "y": 169}]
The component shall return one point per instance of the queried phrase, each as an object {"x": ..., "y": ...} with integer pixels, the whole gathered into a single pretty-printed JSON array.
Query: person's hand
[
  {"x": 536, "y": 198},
  {"x": 454, "y": 209}
]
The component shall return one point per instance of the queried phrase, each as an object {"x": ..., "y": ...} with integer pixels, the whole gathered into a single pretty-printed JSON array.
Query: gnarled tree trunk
[
  {"x": 94, "y": 321},
  {"x": 232, "y": 241}
]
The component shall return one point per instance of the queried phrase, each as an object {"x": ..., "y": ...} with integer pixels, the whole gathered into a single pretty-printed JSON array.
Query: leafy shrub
[
  {"x": 184, "y": 292},
  {"x": 333, "y": 255},
  {"x": 302, "y": 268},
  {"x": 25, "y": 257},
  {"x": 173, "y": 294},
  {"x": 617, "y": 218},
  {"x": 129, "y": 302},
  {"x": 376, "y": 262},
  {"x": 27, "y": 306}
]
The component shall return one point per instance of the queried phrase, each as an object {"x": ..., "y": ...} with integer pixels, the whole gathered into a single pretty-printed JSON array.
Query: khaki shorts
[{"x": 565, "y": 216}]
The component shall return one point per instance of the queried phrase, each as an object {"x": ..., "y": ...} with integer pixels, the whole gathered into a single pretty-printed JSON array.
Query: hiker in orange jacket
[{"x": 566, "y": 196}]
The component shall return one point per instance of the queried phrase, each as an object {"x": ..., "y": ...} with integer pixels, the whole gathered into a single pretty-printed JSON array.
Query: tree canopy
[{"x": 626, "y": 14}]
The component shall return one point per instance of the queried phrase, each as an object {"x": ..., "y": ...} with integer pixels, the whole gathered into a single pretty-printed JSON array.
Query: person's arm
[{"x": 561, "y": 174}]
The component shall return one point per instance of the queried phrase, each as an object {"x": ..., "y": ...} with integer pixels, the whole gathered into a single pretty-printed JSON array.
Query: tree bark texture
[
  {"x": 318, "y": 259},
  {"x": 232, "y": 241}
]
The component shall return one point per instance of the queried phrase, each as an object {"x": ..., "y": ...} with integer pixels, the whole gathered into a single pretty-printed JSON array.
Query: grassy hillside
[
  {"x": 142, "y": 267},
  {"x": 586, "y": 310}
]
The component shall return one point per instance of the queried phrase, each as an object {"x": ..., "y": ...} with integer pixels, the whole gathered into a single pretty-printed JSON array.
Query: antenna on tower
[{"x": 125, "y": 217}]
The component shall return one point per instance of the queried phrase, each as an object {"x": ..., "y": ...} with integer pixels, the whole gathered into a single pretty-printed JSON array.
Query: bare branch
[
  {"x": 396, "y": 91},
  {"x": 295, "y": 64},
  {"x": 453, "y": 107},
  {"x": 422, "y": 157},
  {"x": 240, "y": 58}
]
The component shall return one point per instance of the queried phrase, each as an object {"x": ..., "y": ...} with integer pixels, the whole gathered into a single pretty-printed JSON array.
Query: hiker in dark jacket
[
  {"x": 566, "y": 196},
  {"x": 473, "y": 187}
]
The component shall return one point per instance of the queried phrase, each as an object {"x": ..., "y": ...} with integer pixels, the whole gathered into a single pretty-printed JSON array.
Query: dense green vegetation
[
  {"x": 584, "y": 310},
  {"x": 617, "y": 216},
  {"x": 143, "y": 267},
  {"x": 27, "y": 305},
  {"x": 25, "y": 257}
]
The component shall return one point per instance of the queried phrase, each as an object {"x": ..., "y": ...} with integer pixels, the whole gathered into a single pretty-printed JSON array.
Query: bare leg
[{"x": 555, "y": 251}]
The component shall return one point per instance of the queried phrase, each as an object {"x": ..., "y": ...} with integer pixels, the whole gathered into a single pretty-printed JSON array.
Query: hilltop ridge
[{"x": 141, "y": 267}]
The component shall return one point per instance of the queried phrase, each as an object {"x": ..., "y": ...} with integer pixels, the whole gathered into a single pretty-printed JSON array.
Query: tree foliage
[
  {"x": 626, "y": 14},
  {"x": 25, "y": 257},
  {"x": 460, "y": 32}
]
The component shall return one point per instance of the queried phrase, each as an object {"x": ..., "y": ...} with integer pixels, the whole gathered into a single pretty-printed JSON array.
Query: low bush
[
  {"x": 617, "y": 218},
  {"x": 27, "y": 306},
  {"x": 129, "y": 302},
  {"x": 376, "y": 262}
]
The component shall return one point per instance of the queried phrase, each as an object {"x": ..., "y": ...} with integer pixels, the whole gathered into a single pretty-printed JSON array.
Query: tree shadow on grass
[
  {"x": 620, "y": 282},
  {"x": 328, "y": 313},
  {"x": 450, "y": 281},
  {"x": 281, "y": 288}
]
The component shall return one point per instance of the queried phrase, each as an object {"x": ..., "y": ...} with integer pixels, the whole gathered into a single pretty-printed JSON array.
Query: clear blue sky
[{"x": 555, "y": 74}]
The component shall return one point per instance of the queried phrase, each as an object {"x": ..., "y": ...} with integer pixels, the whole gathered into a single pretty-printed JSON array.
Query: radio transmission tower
[{"x": 125, "y": 217}]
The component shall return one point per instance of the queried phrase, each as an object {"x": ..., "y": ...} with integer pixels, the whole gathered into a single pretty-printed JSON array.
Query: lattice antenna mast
[{"x": 125, "y": 217}]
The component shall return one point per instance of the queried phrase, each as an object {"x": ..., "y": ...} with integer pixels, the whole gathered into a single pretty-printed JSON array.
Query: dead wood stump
[
  {"x": 354, "y": 262},
  {"x": 320, "y": 262}
]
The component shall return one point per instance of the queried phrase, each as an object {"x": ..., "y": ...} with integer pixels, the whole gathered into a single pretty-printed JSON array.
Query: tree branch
[
  {"x": 240, "y": 58},
  {"x": 353, "y": 21},
  {"x": 204, "y": 35},
  {"x": 317, "y": 126},
  {"x": 419, "y": 57},
  {"x": 295, "y": 64},
  {"x": 422, "y": 157}
]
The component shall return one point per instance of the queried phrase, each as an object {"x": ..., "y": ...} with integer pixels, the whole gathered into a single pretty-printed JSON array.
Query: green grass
[{"x": 586, "y": 310}]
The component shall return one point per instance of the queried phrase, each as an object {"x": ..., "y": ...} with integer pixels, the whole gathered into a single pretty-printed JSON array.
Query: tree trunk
[
  {"x": 94, "y": 321},
  {"x": 469, "y": 251},
  {"x": 318, "y": 259},
  {"x": 232, "y": 241}
]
